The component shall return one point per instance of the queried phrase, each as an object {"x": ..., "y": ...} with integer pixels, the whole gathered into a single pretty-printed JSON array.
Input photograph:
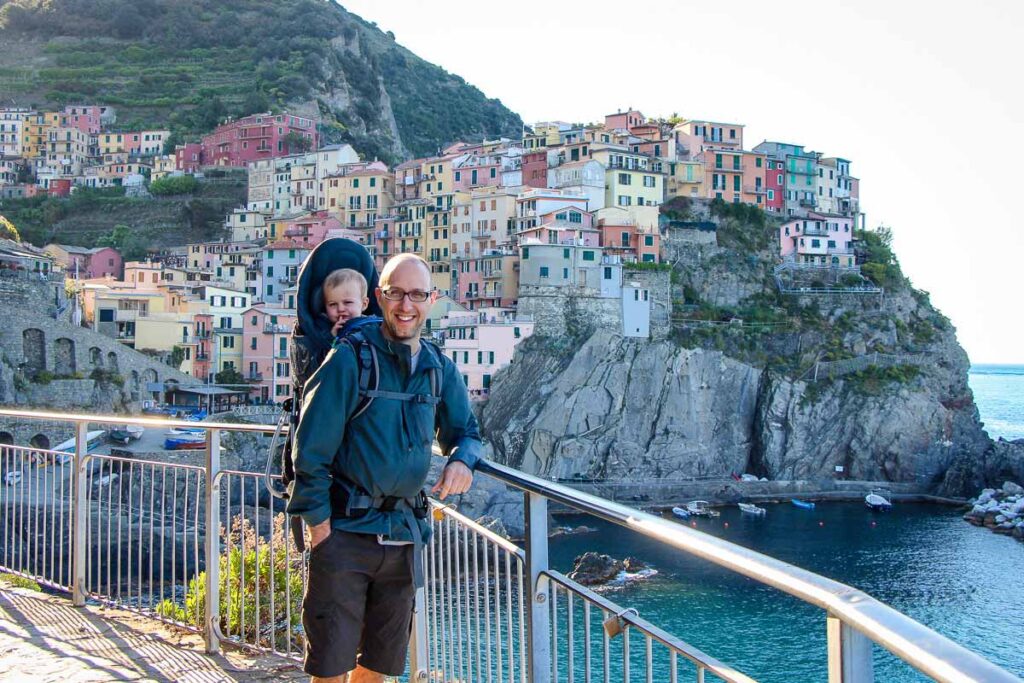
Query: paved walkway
[{"x": 43, "y": 639}]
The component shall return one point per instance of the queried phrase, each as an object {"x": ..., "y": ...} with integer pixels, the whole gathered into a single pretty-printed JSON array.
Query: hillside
[
  {"x": 187, "y": 64},
  {"x": 92, "y": 217}
]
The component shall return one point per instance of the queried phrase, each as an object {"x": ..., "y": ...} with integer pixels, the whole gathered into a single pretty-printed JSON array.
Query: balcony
[
  {"x": 482, "y": 235},
  {"x": 202, "y": 355},
  {"x": 272, "y": 328},
  {"x": 493, "y": 275},
  {"x": 816, "y": 232},
  {"x": 254, "y": 376},
  {"x": 808, "y": 203},
  {"x": 756, "y": 189},
  {"x": 281, "y": 353}
]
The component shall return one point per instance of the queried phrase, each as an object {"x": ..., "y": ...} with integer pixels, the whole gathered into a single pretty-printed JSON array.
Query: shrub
[
  {"x": 279, "y": 581},
  {"x": 171, "y": 185}
]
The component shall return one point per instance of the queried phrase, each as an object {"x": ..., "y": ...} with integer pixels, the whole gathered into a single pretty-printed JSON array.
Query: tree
[
  {"x": 116, "y": 238},
  {"x": 229, "y": 376},
  {"x": 8, "y": 231},
  {"x": 297, "y": 142}
]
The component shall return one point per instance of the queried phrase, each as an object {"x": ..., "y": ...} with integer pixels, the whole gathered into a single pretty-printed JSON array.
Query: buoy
[
  {"x": 872, "y": 524},
  {"x": 727, "y": 525},
  {"x": 821, "y": 523}
]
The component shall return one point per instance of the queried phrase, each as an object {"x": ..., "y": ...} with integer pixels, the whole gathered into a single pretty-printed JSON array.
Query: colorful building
[
  {"x": 266, "y": 353},
  {"x": 82, "y": 263},
  {"x": 481, "y": 343},
  {"x": 821, "y": 239},
  {"x": 259, "y": 136}
]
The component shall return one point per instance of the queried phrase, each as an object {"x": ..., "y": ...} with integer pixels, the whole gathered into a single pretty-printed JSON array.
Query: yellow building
[
  {"x": 33, "y": 136},
  {"x": 112, "y": 143},
  {"x": 163, "y": 166},
  {"x": 358, "y": 197},
  {"x": 631, "y": 180},
  {"x": 684, "y": 179}
]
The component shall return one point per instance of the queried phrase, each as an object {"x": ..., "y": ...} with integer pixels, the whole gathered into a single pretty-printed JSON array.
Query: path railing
[
  {"x": 139, "y": 534},
  {"x": 838, "y": 368}
]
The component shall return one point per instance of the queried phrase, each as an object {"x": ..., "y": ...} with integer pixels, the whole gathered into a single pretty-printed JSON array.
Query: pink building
[
  {"x": 631, "y": 243},
  {"x": 535, "y": 169},
  {"x": 477, "y": 171},
  {"x": 775, "y": 186},
  {"x": 86, "y": 264},
  {"x": 822, "y": 239},
  {"x": 489, "y": 280},
  {"x": 311, "y": 229},
  {"x": 481, "y": 343},
  {"x": 265, "y": 352},
  {"x": 188, "y": 157},
  {"x": 255, "y": 137},
  {"x": 202, "y": 327},
  {"x": 624, "y": 120},
  {"x": 86, "y": 119}
]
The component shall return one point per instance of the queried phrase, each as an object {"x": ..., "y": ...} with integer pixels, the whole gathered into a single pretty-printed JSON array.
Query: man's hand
[
  {"x": 319, "y": 533},
  {"x": 456, "y": 478}
]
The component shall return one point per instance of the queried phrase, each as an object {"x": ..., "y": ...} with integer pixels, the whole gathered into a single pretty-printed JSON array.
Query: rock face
[{"x": 616, "y": 409}]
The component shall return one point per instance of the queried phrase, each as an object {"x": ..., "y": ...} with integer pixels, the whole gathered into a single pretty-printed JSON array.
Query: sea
[{"x": 921, "y": 559}]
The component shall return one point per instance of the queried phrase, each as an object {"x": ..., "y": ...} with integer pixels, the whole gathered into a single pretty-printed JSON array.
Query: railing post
[
  {"x": 211, "y": 621},
  {"x": 538, "y": 614},
  {"x": 418, "y": 659},
  {"x": 849, "y": 654},
  {"x": 79, "y": 516}
]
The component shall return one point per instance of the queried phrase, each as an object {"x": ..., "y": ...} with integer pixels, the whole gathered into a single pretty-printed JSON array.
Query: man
[{"x": 357, "y": 478}]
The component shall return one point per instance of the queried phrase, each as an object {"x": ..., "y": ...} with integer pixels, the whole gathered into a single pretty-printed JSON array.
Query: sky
[{"x": 922, "y": 97}]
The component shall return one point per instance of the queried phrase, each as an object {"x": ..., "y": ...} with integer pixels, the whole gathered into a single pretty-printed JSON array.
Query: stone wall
[
  {"x": 558, "y": 311},
  {"x": 37, "y": 337}
]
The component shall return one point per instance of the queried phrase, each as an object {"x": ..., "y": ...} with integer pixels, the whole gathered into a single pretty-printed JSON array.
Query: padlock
[{"x": 614, "y": 625}]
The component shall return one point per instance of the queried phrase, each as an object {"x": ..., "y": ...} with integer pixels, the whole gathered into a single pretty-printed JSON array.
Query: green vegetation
[
  {"x": 16, "y": 581},
  {"x": 880, "y": 264},
  {"x": 186, "y": 65},
  {"x": 105, "y": 217},
  {"x": 874, "y": 380},
  {"x": 172, "y": 185},
  {"x": 228, "y": 376},
  {"x": 648, "y": 266},
  {"x": 8, "y": 231},
  {"x": 104, "y": 376},
  {"x": 279, "y": 581}
]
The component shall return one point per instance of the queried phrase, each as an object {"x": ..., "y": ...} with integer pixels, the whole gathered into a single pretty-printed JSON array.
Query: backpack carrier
[{"x": 311, "y": 341}]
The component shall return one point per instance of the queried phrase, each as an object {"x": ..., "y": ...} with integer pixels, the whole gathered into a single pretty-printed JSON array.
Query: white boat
[
  {"x": 700, "y": 508},
  {"x": 748, "y": 477},
  {"x": 92, "y": 440},
  {"x": 12, "y": 478},
  {"x": 876, "y": 501},
  {"x": 752, "y": 509},
  {"x": 681, "y": 513}
]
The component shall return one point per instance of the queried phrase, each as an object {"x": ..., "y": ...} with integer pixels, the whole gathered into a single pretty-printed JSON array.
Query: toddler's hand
[{"x": 337, "y": 327}]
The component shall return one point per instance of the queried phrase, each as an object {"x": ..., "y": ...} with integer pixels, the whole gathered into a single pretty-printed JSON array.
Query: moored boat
[
  {"x": 185, "y": 442},
  {"x": 681, "y": 512},
  {"x": 700, "y": 508},
  {"x": 877, "y": 501},
  {"x": 751, "y": 509},
  {"x": 805, "y": 504}
]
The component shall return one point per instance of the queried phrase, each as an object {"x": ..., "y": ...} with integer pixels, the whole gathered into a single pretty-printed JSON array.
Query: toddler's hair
[{"x": 343, "y": 276}]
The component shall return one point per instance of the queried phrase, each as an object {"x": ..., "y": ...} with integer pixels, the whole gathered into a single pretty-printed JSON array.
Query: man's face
[{"x": 404, "y": 318}]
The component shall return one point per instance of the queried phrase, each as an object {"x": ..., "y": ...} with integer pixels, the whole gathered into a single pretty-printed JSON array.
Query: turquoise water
[
  {"x": 999, "y": 393},
  {"x": 924, "y": 560}
]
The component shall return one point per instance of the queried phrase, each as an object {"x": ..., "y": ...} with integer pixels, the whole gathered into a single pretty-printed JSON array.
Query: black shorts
[{"x": 359, "y": 600}]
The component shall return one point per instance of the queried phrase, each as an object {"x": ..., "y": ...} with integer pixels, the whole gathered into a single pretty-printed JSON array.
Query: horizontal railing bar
[
  {"x": 143, "y": 421},
  {"x": 155, "y": 463},
  {"x": 924, "y": 649},
  {"x": 479, "y": 529},
  {"x": 692, "y": 653}
]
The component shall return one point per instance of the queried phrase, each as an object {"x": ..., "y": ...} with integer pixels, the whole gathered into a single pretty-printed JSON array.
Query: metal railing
[{"x": 137, "y": 534}]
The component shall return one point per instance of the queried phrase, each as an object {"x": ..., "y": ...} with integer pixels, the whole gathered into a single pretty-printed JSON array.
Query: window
[
  {"x": 565, "y": 253},
  {"x": 479, "y": 357},
  {"x": 253, "y": 320},
  {"x": 718, "y": 161},
  {"x": 565, "y": 273},
  {"x": 815, "y": 244},
  {"x": 757, "y": 162},
  {"x": 624, "y": 179},
  {"x": 831, "y": 244},
  {"x": 649, "y": 181},
  {"x": 543, "y": 271},
  {"x": 252, "y": 343},
  {"x": 588, "y": 256},
  {"x": 515, "y": 332},
  {"x": 625, "y": 200},
  {"x": 575, "y": 217},
  {"x": 607, "y": 273},
  {"x": 736, "y": 182},
  {"x": 458, "y": 176},
  {"x": 229, "y": 341},
  {"x": 373, "y": 182},
  {"x": 648, "y": 240}
]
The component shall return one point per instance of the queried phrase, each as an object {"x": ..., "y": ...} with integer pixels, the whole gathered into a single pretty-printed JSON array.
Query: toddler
[{"x": 345, "y": 297}]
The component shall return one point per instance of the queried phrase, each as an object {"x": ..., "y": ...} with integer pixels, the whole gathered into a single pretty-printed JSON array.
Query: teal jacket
[{"x": 387, "y": 449}]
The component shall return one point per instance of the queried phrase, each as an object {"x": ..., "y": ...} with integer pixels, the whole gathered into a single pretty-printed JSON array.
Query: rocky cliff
[{"x": 727, "y": 394}]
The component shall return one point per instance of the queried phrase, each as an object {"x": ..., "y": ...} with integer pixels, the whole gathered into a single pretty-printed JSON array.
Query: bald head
[{"x": 404, "y": 262}]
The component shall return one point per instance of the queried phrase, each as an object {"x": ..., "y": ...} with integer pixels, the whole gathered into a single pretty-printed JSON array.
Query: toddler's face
[{"x": 344, "y": 301}]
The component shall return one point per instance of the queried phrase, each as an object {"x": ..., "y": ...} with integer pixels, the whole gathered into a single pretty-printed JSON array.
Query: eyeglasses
[{"x": 417, "y": 296}]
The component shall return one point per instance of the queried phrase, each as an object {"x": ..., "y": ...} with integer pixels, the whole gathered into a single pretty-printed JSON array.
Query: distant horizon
[{"x": 916, "y": 135}]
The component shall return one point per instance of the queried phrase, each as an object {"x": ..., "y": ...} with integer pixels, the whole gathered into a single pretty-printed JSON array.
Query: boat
[
  {"x": 681, "y": 513},
  {"x": 135, "y": 431},
  {"x": 184, "y": 431},
  {"x": 805, "y": 504},
  {"x": 185, "y": 442},
  {"x": 700, "y": 508},
  {"x": 877, "y": 501},
  {"x": 12, "y": 478},
  {"x": 752, "y": 509},
  {"x": 748, "y": 477},
  {"x": 123, "y": 435}
]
